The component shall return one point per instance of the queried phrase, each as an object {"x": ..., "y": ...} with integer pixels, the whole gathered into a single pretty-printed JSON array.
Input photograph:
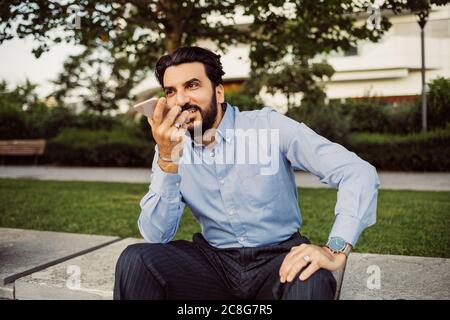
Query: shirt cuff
[
  {"x": 164, "y": 183},
  {"x": 348, "y": 228}
]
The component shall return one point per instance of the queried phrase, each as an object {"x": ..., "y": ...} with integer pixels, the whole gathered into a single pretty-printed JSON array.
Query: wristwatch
[{"x": 338, "y": 245}]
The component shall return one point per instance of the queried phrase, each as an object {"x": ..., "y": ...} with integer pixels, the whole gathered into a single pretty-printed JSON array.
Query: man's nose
[{"x": 182, "y": 98}]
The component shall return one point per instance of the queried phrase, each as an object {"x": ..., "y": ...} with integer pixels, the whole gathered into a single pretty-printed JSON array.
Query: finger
[
  {"x": 181, "y": 119},
  {"x": 177, "y": 134},
  {"x": 309, "y": 271},
  {"x": 159, "y": 111},
  {"x": 290, "y": 263},
  {"x": 296, "y": 267},
  {"x": 169, "y": 119},
  {"x": 286, "y": 262},
  {"x": 294, "y": 251}
]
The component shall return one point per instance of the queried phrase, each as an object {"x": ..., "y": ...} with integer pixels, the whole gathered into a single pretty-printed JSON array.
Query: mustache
[{"x": 188, "y": 106}]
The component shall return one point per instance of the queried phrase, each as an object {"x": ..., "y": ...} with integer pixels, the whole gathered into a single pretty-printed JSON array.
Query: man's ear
[{"x": 220, "y": 94}]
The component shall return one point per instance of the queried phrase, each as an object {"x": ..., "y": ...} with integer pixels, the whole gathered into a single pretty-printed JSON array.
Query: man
[{"x": 249, "y": 247}]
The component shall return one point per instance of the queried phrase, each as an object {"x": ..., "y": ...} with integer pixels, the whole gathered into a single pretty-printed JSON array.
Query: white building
[{"x": 389, "y": 68}]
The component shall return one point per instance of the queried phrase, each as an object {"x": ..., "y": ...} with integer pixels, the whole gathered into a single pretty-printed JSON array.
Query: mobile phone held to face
[{"x": 147, "y": 107}]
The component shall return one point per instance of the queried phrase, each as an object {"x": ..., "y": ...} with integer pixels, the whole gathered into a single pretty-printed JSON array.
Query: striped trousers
[{"x": 185, "y": 270}]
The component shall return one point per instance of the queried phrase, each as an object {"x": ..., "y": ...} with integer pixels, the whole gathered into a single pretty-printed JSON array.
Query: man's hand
[
  {"x": 319, "y": 257},
  {"x": 167, "y": 136}
]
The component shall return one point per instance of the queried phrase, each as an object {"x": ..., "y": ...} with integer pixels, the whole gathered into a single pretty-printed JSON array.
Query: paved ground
[
  {"x": 23, "y": 252},
  {"x": 435, "y": 181},
  {"x": 89, "y": 274}
]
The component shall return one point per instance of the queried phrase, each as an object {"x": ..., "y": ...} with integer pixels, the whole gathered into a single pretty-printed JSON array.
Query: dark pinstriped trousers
[{"x": 196, "y": 270}]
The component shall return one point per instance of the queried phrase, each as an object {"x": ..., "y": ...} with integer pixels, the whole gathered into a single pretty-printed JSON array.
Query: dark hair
[{"x": 211, "y": 61}]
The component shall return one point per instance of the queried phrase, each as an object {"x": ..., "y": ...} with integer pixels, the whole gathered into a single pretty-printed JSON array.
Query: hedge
[
  {"x": 415, "y": 152},
  {"x": 77, "y": 147}
]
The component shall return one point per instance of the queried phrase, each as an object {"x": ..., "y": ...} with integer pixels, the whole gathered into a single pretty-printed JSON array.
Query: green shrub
[
  {"x": 13, "y": 123},
  {"x": 82, "y": 147},
  {"x": 144, "y": 131},
  {"x": 49, "y": 122},
  {"x": 368, "y": 115},
  {"x": 243, "y": 101},
  {"x": 371, "y": 115},
  {"x": 415, "y": 152},
  {"x": 404, "y": 118},
  {"x": 93, "y": 121},
  {"x": 324, "y": 119},
  {"x": 438, "y": 103}
]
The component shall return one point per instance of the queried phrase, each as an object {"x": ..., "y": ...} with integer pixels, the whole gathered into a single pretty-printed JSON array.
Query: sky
[{"x": 17, "y": 63}]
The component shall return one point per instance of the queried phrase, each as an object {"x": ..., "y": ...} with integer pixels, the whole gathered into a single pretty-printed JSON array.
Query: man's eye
[
  {"x": 169, "y": 92},
  {"x": 192, "y": 85}
]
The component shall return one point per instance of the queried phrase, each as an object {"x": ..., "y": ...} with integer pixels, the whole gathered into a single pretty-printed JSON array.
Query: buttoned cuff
[
  {"x": 164, "y": 183},
  {"x": 348, "y": 228}
]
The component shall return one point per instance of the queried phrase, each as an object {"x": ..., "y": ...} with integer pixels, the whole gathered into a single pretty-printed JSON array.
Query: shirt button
[
  {"x": 241, "y": 239},
  {"x": 212, "y": 153},
  {"x": 231, "y": 212},
  {"x": 177, "y": 184},
  {"x": 221, "y": 181}
]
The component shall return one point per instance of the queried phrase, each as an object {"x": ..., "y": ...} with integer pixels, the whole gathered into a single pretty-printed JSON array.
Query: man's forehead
[{"x": 179, "y": 74}]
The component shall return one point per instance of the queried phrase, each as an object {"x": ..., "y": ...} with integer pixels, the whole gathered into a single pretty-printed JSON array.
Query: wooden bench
[{"x": 22, "y": 147}]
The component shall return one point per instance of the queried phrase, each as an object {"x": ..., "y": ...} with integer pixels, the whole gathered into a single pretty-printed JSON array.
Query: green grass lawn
[{"x": 409, "y": 222}]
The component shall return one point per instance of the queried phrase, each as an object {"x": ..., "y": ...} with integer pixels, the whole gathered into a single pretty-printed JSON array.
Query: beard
[{"x": 208, "y": 116}]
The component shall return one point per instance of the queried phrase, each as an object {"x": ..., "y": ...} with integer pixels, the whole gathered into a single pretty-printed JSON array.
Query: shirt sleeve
[
  {"x": 162, "y": 206},
  {"x": 356, "y": 180}
]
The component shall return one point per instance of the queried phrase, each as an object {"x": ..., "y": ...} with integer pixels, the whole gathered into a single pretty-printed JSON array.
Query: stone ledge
[
  {"x": 401, "y": 277},
  {"x": 23, "y": 252},
  {"x": 96, "y": 276}
]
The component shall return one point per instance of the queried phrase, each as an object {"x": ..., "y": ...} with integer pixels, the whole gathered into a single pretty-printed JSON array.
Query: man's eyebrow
[
  {"x": 191, "y": 80},
  {"x": 184, "y": 84}
]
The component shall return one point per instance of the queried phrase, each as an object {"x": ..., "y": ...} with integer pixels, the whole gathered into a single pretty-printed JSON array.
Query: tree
[
  {"x": 288, "y": 36},
  {"x": 23, "y": 96},
  {"x": 439, "y": 102},
  {"x": 421, "y": 8},
  {"x": 299, "y": 76},
  {"x": 121, "y": 39}
]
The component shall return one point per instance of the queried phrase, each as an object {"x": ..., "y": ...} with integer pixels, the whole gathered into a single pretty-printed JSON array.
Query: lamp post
[{"x": 422, "y": 22}]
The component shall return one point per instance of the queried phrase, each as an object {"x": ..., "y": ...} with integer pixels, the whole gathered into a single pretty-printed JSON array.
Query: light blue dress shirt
[{"x": 237, "y": 204}]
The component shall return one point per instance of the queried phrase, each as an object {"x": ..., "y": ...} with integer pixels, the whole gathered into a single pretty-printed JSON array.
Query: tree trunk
[{"x": 173, "y": 41}]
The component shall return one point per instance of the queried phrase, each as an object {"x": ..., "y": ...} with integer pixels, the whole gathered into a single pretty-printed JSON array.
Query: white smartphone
[{"x": 147, "y": 107}]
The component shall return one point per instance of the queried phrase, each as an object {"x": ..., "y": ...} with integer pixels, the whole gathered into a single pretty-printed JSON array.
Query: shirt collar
[{"x": 227, "y": 122}]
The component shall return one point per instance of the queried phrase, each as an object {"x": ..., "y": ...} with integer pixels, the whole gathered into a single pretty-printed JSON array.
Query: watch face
[{"x": 337, "y": 244}]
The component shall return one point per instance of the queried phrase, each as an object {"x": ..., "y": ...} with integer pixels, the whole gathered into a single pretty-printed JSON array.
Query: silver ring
[
  {"x": 307, "y": 258},
  {"x": 177, "y": 125}
]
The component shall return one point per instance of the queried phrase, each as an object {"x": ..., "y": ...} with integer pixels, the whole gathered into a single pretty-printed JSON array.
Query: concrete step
[
  {"x": 367, "y": 276},
  {"x": 23, "y": 252},
  {"x": 86, "y": 277},
  {"x": 392, "y": 277},
  {"x": 55, "y": 265}
]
